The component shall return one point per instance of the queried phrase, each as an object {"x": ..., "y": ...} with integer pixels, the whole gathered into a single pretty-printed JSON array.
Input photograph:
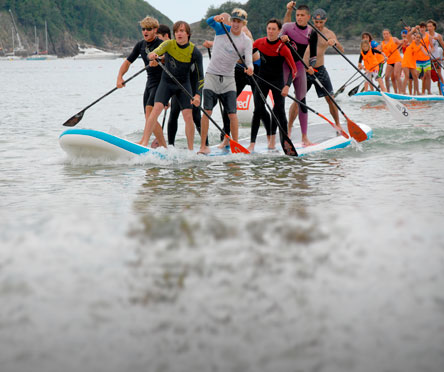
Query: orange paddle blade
[
  {"x": 355, "y": 131},
  {"x": 235, "y": 147}
]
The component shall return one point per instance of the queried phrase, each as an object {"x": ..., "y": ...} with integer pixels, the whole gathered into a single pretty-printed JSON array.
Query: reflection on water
[{"x": 332, "y": 262}]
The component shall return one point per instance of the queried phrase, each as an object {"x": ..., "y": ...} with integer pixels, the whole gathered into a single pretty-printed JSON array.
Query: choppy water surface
[{"x": 332, "y": 262}]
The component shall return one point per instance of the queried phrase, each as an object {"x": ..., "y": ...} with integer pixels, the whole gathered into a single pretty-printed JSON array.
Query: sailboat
[{"x": 41, "y": 56}]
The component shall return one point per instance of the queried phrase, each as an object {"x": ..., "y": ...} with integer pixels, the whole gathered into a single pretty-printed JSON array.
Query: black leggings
[
  {"x": 174, "y": 116},
  {"x": 242, "y": 80},
  {"x": 260, "y": 108}
]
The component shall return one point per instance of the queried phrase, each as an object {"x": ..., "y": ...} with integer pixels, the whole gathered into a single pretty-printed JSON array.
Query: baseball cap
[
  {"x": 238, "y": 15},
  {"x": 404, "y": 32},
  {"x": 320, "y": 14}
]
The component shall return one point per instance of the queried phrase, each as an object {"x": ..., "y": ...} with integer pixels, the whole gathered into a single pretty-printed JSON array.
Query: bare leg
[
  {"x": 204, "y": 125},
  {"x": 189, "y": 127},
  {"x": 397, "y": 83},
  {"x": 234, "y": 126},
  {"x": 333, "y": 111},
  {"x": 388, "y": 75},
  {"x": 151, "y": 125},
  {"x": 292, "y": 115}
]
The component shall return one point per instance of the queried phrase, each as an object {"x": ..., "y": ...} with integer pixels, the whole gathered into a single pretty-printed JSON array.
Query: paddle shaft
[
  {"x": 189, "y": 95},
  {"x": 283, "y": 132},
  {"x": 80, "y": 113},
  {"x": 298, "y": 101},
  {"x": 316, "y": 79}
]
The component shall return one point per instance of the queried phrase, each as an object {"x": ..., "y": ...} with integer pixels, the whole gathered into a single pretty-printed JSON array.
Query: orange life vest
[
  {"x": 371, "y": 61},
  {"x": 409, "y": 59},
  {"x": 390, "y": 49},
  {"x": 420, "y": 56}
]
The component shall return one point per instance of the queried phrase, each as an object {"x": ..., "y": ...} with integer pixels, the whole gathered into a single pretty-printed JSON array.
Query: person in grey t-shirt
[{"x": 219, "y": 78}]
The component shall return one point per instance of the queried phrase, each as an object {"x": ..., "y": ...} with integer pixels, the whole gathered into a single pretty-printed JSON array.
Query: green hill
[
  {"x": 98, "y": 22},
  {"x": 347, "y": 18}
]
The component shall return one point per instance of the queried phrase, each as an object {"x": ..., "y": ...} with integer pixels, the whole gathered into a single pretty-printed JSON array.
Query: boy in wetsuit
[
  {"x": 301, "y": 36},
  {"x": 180, "y": 55},
  {"x": 154, "y": 73}
]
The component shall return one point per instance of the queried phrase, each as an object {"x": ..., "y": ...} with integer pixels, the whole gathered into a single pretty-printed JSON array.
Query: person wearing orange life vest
[
  {"x": 371, "y": 64},
  {"x": 423, "y": 62},
  {"x": 390, "y": 46},
  {"x": 408, "y": 63}
]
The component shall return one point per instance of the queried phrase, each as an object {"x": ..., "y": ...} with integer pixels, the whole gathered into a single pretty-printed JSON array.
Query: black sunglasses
[{"x": 147, "y": 28}]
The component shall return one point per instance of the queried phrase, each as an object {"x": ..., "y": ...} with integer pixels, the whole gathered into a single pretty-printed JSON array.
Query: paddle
[
  {"x": 441, "y": 85},
  {"x": 286, "y": 143},
  {"x": 74, "y": 120},
  {"x": 354, "y": 129},
  {"x": 396, "y": 108},
  {"x": 234, "y": 146},
  {"x": 308, "y": 107},
  {"x": 354, "y": 90},
  {"x": 341, "y": 89}
]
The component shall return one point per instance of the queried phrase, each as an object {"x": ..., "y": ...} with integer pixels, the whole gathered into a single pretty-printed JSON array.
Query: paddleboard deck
[
  {"x": 374, "y": 96},
  {"x": 89, "y": 143}
]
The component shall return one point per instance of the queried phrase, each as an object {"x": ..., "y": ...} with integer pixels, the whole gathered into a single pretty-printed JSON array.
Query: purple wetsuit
[{"x": 301, "y": 38}]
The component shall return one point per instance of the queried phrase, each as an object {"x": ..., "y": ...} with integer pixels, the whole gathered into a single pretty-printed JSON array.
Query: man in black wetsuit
[{"x": 150, "y": 42}]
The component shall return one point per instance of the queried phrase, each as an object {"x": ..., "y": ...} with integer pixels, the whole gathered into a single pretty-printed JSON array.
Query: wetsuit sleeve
[
  {"x": 163, "y": 48},
  {"x": 313, "y": 42},
  {"x": 197, "y": 60},
  {"x": 284, "y": 30},
  {"x": 360, "y": 58},
  {"x": 376, "y": 51},
  {"x": 285, "y": 52},
  {"x": 217, "y": 26},
  {"x": 135, "y": 52}
]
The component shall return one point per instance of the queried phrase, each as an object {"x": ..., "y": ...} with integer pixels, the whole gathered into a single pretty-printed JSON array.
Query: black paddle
[
  {"x": 304, "y": 104},
  {"x": 341, "y": 89},
  {"x": 235, "y": 147},
  {"x": 74, "y": 120},
  {"x": 286, "y": 143}
]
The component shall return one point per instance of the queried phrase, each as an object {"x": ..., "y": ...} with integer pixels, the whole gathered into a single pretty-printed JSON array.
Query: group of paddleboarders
[
  {"x": 290, "y": 54},
  {"x": 421, "y": 59},
  {"x": 276, "y": 61}
]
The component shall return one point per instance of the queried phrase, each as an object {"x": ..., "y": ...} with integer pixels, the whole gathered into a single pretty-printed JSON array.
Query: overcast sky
[{"x": 186, "y": 10}]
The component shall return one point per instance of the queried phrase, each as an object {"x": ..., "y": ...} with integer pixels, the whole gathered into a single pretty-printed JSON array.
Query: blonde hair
[
  {"x": 365, "y": 42},
  {"x": 149, "y": 22},
  {"x": 241, "y": 13}
]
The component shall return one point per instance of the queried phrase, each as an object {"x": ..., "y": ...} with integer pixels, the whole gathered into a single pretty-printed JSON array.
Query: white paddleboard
[
  {"x": 89, "y": 143},
  {"x": 376, "y": 96}
]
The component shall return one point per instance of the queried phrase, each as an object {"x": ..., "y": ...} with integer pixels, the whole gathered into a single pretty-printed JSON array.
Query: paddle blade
[
  {"x": 236, "y": 148},
  {"x": 397, "y": 109},
  {"x": 354, "y": 91},
  {"x": 355, "y": 131},
  {"x": 340, "y": 90},
  {"x": 286, "y": 144},
  {"x": 74, "y": 120}
]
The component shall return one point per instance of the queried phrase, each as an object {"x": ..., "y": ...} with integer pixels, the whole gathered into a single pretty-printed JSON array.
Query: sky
[{"x": 186, "y": 10}]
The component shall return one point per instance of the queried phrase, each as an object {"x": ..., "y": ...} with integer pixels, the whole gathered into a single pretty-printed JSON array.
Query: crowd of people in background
[
  {"x": 291, "y": 54},
  {"x": 416, "y": 56}
]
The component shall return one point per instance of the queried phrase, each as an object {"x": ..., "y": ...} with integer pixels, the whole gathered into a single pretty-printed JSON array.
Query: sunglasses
[{"x": 147, "y": 28}]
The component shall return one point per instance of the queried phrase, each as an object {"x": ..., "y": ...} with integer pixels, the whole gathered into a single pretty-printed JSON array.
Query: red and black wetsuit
[{"x": 273, "y": 56}]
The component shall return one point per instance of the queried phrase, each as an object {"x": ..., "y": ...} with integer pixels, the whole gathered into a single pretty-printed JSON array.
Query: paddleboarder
[{"x": 150, "y": 42}]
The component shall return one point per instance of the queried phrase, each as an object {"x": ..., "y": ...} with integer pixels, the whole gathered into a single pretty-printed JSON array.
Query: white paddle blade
[{"x": 397, "y": 109}]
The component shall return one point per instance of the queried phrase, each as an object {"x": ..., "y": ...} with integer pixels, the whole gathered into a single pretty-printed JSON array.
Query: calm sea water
[{"x": 332, "y": 262}]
